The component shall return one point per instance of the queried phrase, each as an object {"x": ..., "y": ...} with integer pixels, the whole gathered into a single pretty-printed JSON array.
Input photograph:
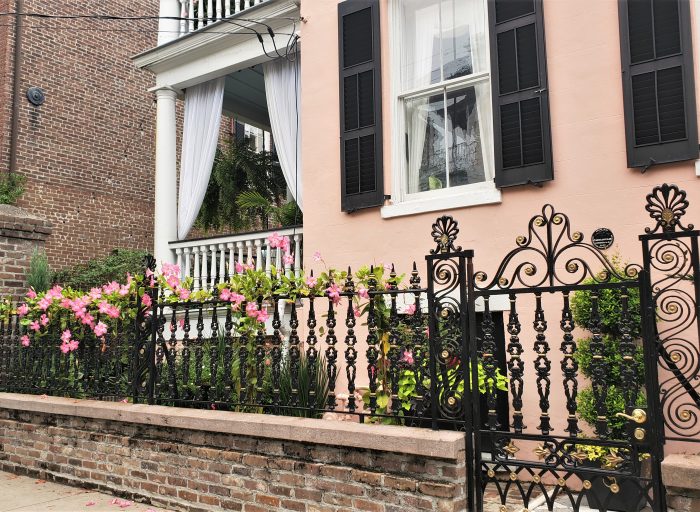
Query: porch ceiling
[{"x": 244, "y": 96}]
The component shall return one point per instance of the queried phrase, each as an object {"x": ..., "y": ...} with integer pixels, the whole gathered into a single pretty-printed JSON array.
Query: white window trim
[{"x": 403, "y": 203}]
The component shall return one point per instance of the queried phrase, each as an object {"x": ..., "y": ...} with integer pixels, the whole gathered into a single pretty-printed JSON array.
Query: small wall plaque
[{"x": 602, "y": 238}]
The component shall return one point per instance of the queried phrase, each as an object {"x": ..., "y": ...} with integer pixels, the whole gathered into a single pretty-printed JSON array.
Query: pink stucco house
[{"x": 389, "y": 113}]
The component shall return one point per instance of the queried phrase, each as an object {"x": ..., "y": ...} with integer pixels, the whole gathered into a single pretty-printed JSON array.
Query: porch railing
[
  {"x": 209, "y": 261},
  {"x": 197, "y": 14}
]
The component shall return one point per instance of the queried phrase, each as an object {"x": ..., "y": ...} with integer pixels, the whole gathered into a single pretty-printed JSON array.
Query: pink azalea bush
[{"x": 251, "y": 293}]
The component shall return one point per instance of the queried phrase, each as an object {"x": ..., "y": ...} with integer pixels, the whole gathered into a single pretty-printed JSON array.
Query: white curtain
[
  {"x": 426, "y": 27},
  {"x": 283, "y": 91},
  {"x": 203, "y": 105}
]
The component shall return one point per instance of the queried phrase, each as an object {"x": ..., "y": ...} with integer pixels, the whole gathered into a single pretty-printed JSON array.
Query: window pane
[
  {"x": 425, "y": 124},
  {"x": 420, "y": 62},
  {"x": 464, "y": 39},
  {"x": 442, "y": 40},
  {"x": 464, "y": 138},
  {"x": 448, "y": 131}
]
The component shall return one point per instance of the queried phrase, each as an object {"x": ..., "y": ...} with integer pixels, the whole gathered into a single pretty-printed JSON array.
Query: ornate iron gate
[{"x": 550, "y": 283}]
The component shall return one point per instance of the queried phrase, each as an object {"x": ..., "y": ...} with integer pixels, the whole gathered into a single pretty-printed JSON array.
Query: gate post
[
  {"x": 670, "y": 293},
  {"x": 451, "y": 324}
]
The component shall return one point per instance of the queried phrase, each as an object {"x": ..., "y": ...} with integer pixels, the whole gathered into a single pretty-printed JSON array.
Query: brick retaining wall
[{"x": 211, "y": 460}]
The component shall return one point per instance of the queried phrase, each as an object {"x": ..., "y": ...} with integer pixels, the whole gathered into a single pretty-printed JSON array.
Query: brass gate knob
[{"x": 638, "y": 416}]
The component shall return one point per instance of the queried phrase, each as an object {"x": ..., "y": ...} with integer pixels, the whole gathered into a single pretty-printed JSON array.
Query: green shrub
[
  {"x": 609, "y": 308},
  {"x": 99, "y": 271},
  {"x": 39, "y": 274},
  {"x": 614, "y": 402},
  {"x": 11, "y": 187},
  {"x": 610, "y": 312}
]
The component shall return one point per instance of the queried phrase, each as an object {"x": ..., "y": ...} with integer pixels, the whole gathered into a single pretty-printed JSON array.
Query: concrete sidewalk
[{"x": 24, "y": 494}]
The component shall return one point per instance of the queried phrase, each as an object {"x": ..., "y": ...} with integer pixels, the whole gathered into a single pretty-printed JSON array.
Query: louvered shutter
[
  {"x": 360, "y": 105},
  {"x": 658, "y": 83},
  {"x": 523, "y": 143}
]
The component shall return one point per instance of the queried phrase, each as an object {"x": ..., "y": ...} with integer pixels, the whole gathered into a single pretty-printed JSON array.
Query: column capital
[{"x": 165, "y": 92}]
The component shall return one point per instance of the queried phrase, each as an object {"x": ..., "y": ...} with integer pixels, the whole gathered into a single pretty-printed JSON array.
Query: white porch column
[
  {"x": 165, "y": 225},
  {"x": 169, "y": 29}
]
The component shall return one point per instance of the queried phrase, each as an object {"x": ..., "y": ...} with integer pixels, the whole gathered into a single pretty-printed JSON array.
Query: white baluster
[
  {"x": 212, "y": 276},
  {"x": 268, "y": 257},
  {"x": 249, "y": 251},
  {"x": 258, "y": 254},
  {"x": 178, "y": 260},
  {"x": 241, "y": 256},
  {"x": 297, "y": 255},
  {"x": 227, "y": 7},
  {"x": 197, "y": 277},
  {"x": 219, "y": 12},
  {"x": 237, "y": 6},
  {"x": 222, "y": 262},
  {"x": 231, "y": 259},
  {"x": 278, "y": 260},
  {"x": 205, "y": 270},
  {"x": 188, "y": 267},
  {"x": 210, "y": 16},
  {"x": 190, "y": 16},
  {"x": 200, "y": 13},
  {"x": 183, "y": 15}
]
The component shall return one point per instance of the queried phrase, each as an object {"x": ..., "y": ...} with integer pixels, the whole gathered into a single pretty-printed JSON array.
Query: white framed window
[{"x": 443, "y": 150}]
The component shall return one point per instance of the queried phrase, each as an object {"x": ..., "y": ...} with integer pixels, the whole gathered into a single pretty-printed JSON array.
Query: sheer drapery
[
  {"x": 418, "y": 69},
  {"x": 283, "y": 91},
  {"x": 203, "y": 105}
]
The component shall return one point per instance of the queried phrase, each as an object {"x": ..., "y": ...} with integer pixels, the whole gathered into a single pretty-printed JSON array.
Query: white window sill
[{"x": 482, "y": 195}]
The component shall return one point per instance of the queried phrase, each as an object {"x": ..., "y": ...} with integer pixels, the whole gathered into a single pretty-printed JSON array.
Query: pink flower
[
  {"x": 333, "y": 292},
  {"x": 22, "y": 310},
  {"x": 237, "y": 298},
  {"x": 124, "y": 401},
  {"x": 110, "y": 288},
  {"x": 362, "y": 292},
  {"x": 251, "y": 309},
  {"x": 44, "y": 320},
  {"x": 311, "y": 281},
  {"x": 407, "y": 357},
  {"x": 356, "y": 311},
  {"x": 124, "y": 290},
  {"x": 104, "y": 307},
  {"x": 55, "y": 292},
  {"x": 66, "y": 303},
  {"x": 225, "y": 294},
  {"x": 276, "y": 240},
  {"x": 66, "y": 336},
  {"x": 100, "y": 329},
  {"x": 183, "y": 293},
  {"x": 181, "y": 323},
  {"x": 34, "y": 326},
  {"x": 25, "y": 340},
  {"x": 113, "y": 312},
  {"x": 44, "y": 303},
  {"x": 317, "y": 256},
  {"x": 146, "y": 300},
  {"x": 73, "y": 345},
  {"x": 173, "y": 281},
  {"x": 239, "y": 268},
  {"x": 170, "y": 269},
  {"x": 90, "y": 504},
  {"x": 96, "y": 293},
  {"x": 65, "y": 348},
  {"x": 288, "y": 259},
  {"x": 411, "y": 309},
  {"x": 262, "y": 316},
  {"x": 31, "y": 294}
]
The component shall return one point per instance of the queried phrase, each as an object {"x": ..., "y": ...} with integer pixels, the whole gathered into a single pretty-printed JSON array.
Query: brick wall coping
[
  {"x": 681, "y": 471},
  {"x": 405, "y": 440}
]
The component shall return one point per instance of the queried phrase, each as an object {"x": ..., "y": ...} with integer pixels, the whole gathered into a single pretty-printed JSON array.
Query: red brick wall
[
  {"x": 88, "y": 152},
  {"x": 206, "y": 471}
]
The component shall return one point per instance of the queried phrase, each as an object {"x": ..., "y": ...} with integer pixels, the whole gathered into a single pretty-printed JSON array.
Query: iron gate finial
[
  {"x": 666, "y": 204},
  {"x": 445, "y": 230}
]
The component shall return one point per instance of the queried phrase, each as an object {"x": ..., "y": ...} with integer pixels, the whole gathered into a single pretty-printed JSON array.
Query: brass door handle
[{"x": 638, "y": 416}]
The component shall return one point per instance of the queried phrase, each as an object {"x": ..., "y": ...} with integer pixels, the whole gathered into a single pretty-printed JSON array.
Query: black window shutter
[
  {"x": 522, "y": 136},
  {"x": 657, "y": 82},
  {"x": 362, "y": 184}
]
